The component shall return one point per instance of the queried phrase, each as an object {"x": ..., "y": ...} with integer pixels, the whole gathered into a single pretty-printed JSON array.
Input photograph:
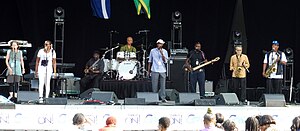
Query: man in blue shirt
[{"x": 157, "y": 59}]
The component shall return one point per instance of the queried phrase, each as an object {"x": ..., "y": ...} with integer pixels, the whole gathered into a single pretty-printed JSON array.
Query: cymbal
[{"x": 106, "y": 48}]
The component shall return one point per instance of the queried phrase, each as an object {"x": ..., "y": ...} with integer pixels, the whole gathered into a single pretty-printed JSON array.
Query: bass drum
[{"x": 127, "y": 70}]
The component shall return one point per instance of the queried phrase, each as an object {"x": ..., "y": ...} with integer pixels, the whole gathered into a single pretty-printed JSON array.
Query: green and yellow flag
[{"x": 143, "y": 4}]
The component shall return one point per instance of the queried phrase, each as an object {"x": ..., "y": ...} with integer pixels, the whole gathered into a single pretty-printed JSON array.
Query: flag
[
  {"x": 143, "y": 5},
  {"x": 101, "y": 8}
]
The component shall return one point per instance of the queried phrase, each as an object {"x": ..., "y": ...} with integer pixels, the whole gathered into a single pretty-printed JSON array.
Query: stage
[{"x": 134, "y": 117}]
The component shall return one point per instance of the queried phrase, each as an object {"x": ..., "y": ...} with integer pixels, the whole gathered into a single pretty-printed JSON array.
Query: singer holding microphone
[
  {"x": 44, "y": 67},
  {"x": 239, "y": 65},
  {"x": 15, "y": 65},
  {"x": 158, "y": 57}
]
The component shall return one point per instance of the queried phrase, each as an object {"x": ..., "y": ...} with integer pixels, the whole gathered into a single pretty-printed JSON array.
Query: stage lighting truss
[
  {"x": 59, "y": 14},
  {"x": 289, "y": 54}
]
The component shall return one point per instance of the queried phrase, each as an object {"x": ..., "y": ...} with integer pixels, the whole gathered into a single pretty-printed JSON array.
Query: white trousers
[{"x": 44, "y": 79}]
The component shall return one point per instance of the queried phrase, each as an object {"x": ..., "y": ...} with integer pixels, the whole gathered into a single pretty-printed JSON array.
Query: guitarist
[
  {"x": 195, "y": 58},
  {"x": 93, "y": 73}
]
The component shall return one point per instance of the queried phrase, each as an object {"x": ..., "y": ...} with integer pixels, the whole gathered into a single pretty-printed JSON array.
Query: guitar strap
[{"x": 95, "y": 63}]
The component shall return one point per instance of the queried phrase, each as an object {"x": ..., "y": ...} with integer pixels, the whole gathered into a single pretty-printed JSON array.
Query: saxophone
[{"x": 271, "y": 69}]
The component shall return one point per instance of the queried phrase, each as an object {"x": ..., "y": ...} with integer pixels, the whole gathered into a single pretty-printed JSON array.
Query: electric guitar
[{"x": 204, "y": 64}]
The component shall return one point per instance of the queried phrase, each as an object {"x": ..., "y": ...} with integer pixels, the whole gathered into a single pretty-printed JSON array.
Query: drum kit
[{"x": 125, "y": 67}]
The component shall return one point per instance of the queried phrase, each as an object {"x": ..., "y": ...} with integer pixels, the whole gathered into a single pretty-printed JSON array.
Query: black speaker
[
  {"x": 88, "y": 93},
  {"x": 227, "y": 99},
  {"x": 134, "y": 101},
  {"x": 105, "y": 96},
  {"x": 273, "y": 100},
  {"x": 177, "y": 75},
  {"x": 149, "y": 97},
  {"x": 172, "y": 94},
  {"x": 56, "y": 101},
  {"x": 187, "y": 98},
  {"x": 205, "y": 102},
  {"x": 25, "y": 96}
]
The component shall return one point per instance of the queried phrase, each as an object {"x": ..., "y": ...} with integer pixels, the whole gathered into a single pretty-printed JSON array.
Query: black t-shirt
[
  {"x": 196, "y": 57},
  {"x": 99, "y": 66}
]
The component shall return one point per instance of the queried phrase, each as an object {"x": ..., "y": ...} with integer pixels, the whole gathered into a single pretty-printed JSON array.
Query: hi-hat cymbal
[{"x": 106, "y": 48}]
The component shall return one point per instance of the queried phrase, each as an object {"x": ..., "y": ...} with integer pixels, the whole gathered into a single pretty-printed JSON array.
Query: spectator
[
  {"x": 267, "y": 123},
  {"x": 229, "y": 125},
  {"x": 296, "y": 124},
  {"x": 219, "y": 120},
  {"x": 209, "y": 120},
  {"x": 163, "y": 123},
  {"x": 111, "y": 124},
  {"x": 80, "y": 122},
  {"x": 251, "y": 124}
]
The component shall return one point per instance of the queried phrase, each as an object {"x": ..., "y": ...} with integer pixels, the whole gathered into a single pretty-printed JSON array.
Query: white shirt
[
  {"x": 272, "y": 57},
  {"x": 46, "y": 56}
]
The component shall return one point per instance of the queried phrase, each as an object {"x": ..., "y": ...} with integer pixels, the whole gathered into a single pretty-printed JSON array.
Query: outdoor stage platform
[{"x": 134, "y": 117}]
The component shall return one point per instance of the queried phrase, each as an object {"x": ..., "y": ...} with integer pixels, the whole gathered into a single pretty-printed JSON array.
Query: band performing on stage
[{"x": 129, "y": 65}]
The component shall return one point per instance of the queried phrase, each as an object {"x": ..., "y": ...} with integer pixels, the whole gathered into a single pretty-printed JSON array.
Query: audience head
[
  {"x": 251, "y": 124},
  {"x": 296, "y": 124},
  {"x": 79, "y": 119},
  {"x": 209, "y": 117},
  {"x": 265, "y": 122},
  {"x": 111, "y": 121},
  {"x": 229, "y": 125},
  {"x": 163, "y": 123}
]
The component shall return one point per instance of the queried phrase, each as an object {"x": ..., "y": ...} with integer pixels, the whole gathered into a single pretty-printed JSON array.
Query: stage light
[
  {"x": 176, "y": 16},
  {"x": 289, "y": 54},
  {"x": 59, "y": 13}
]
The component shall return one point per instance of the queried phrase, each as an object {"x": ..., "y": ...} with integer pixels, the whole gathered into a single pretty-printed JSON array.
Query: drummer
[{"x": 128, "y": 47}]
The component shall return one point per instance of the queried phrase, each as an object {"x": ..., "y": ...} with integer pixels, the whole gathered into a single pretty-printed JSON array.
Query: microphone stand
[{"x": 14, "y": 74}]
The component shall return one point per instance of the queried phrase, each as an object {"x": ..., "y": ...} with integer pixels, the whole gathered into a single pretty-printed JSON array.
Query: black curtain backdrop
[{"x": 206, "y": 21}]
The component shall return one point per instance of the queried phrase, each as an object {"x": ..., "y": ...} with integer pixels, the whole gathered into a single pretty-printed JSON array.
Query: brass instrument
[{"x": 271, "y": 69}]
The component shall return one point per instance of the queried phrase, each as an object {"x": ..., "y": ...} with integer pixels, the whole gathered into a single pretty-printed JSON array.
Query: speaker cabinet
[
  {"x": 227, "y": 99},
  {"x": 104, "y": 96},
  {"x": 177, "y": 75},
  {"x": 149, "y": 97},
  {"x": 25, "y": 96},
  {"x": 134, "y": 101},
  {"x": 273, "y": 100},
  {"x": 88, "y": 93},
  {"x": 56, "y": 101},
  {"x": 187, "y": 98},
  {"x": 172, "y": 94}
]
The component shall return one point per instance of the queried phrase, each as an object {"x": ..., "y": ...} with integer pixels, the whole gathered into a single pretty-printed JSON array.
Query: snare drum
[{"x": 127, "y": 70}]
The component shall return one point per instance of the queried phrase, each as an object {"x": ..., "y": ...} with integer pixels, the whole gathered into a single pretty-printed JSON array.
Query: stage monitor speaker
[
  {"x": 88, "y": 93},
  {"x": 105, "y": 96},
  {"x": 227, "y": 99},
  {"x": 273, "y": 100},
  {"x": 177, "y": 75},
  {"x": 172, "y": 94},
  {"x": 205, "y": 102},
  {"x": 27, "y": 96},
  {"x": 134, "y": 101},
  {"x": 149, "y": 97},
  {"x": 187, "y": 98},
  {"x": 56, "y": 101}
]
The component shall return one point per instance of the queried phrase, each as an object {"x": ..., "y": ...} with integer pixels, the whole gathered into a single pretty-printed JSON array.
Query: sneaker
[
  {"x": 164, "y": 101},
  {"x": 41, "y": 100}
]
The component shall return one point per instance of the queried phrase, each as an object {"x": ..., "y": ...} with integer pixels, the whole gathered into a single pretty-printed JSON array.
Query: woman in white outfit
[{"x": 45, "y": 66}]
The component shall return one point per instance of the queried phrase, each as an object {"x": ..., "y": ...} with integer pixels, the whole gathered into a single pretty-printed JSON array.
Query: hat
[
  {"x": 275, "y": 42},
  {"x": 160, "y": 41}
]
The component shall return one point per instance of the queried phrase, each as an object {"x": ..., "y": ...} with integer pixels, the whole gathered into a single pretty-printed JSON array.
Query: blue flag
[{"x": 101, "y": 8}]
